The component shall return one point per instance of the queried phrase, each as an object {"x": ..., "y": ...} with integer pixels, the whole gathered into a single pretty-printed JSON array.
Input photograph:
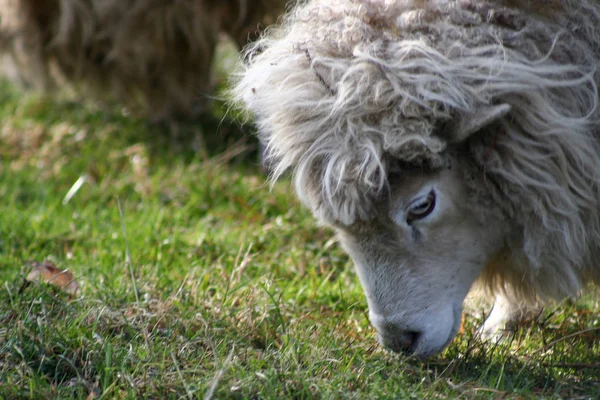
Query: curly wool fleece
[
  {"x": 345, "y": 91},
  {"x": 346, "y": 87},
  {"x": 155, "y": 56}
]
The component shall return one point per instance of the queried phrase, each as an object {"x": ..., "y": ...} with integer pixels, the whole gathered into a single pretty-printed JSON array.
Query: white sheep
[
  {"x": 154, "y": 56},
  {"x": 448, "y": 142}
]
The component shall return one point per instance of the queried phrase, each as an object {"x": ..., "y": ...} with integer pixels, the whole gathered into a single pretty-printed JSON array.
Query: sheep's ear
[{"x": 464, "y": 124}]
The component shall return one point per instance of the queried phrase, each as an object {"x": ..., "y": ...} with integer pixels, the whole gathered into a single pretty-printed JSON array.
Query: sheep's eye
[{"x": 420, "y": 208}]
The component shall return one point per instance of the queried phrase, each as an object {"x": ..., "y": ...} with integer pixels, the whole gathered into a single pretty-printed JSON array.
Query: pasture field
[{"x": 207, "y": 284}]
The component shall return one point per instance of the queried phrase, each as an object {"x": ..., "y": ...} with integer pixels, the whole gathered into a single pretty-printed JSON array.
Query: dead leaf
[
  {"x": 47, "y": 272},
  {"x": 93, "y": 395}
]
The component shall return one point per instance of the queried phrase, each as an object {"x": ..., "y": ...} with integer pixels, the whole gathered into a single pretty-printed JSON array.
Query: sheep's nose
[{"x": 398, "y": 340}]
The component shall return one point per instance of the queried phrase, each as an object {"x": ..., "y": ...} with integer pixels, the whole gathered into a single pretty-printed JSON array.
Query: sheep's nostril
[
  {"x": 401, "y": 341},
  {"x": 408, "y": 339}
]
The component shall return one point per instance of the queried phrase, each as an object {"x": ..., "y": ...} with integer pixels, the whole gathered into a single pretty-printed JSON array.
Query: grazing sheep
[
  {"x": 448, "y": 142},
  {"x": 153, "y": 55}
]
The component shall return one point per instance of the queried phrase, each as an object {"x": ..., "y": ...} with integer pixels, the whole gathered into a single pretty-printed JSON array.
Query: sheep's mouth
[
  {"x": 418, "y": 346},
  {"x": 456, "y": 315}
]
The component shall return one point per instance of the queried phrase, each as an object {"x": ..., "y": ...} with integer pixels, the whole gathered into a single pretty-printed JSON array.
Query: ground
[{"x": 197, "y": 280}]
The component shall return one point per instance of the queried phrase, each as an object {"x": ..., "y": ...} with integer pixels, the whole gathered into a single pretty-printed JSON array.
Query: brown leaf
[
  {"x": 47, "y": 272},
  {"x": 93, "y": 395}
]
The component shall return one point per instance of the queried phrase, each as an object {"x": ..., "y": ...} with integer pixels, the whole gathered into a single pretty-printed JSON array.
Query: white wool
[{"x": 344, "y": 91}]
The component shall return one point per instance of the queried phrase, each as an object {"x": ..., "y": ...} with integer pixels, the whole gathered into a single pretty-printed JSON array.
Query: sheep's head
[
  {"x": 364, "y": 101},
  {"x": 418, "y": 257},
  {"x": 389, "y": 174},
  {"x": 428, "y": 237},
  {"x": 370, "y": 152}
]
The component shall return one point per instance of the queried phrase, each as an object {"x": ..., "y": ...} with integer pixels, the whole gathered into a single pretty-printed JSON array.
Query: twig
[
  {"x": 317, "y": 73},
  {"x": 552, "y": 343}
]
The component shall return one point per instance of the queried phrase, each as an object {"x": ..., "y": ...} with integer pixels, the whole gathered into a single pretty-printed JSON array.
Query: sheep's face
[{"x": 419, "y": 257}]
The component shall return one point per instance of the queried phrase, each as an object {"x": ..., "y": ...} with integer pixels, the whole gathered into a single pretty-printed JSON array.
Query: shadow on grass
[
  {"x": 214, "y": 133},
  {"x": 558, "y": 357}
]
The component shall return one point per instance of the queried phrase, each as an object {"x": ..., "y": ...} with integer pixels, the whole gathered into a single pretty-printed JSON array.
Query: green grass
[{"x": 239, "y": 293}]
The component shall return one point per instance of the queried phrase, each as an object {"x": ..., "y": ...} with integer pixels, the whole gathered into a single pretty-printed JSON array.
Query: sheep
[
  {"x": 154, "y": 56},
  {"x": 450, "y": 144}
]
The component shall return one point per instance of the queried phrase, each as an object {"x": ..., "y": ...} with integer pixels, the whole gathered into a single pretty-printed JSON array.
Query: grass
[{"x": 217, "y": 287}]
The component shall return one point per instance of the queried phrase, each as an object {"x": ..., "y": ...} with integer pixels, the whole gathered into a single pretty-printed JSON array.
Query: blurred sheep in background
[{"x": 153, "y": 56}]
